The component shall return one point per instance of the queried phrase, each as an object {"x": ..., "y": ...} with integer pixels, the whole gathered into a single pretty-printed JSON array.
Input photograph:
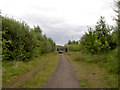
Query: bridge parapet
[{"x": 62, "y": 48}]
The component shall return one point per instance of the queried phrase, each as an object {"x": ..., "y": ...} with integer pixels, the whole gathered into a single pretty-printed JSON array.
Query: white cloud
[{"x": 64, "y": 16}]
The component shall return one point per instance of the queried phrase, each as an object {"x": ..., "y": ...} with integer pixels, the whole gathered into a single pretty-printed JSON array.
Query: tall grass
[
  {"x": 12, "y": 70},
  {"x": 107, "y": 60},
  {"x": 104, "y": 66}
]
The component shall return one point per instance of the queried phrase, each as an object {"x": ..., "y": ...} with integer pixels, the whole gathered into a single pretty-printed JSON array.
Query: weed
[
  {"x": 14, "y": 69},
  {"x": 82, "y": 82},
  {"x": 104, "y": 65}
]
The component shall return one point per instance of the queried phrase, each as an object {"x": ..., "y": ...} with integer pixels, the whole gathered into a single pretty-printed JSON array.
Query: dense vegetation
[
  {"x": 103, "y": 41},
  {"x": 95, "y": 71},
  {"x": 37, "y": 70},
  {"x": 20, "y": 42},
  {"x": 98, "y": 47},
  {"x": 100, "y": 39}
]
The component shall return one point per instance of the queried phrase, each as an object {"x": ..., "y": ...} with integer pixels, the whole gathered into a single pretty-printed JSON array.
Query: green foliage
[
  {"x": 74, "y": 47},
  {"x": 20, "y": 42},
  {"x": 100, "y": 39},
  {"x": 107, "y": 60},
  {"x": 72, "y": 42},
  {"x": 87, "y": 64}
]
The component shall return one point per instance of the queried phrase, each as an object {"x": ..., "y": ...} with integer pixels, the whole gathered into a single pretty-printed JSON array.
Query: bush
[
  {"x": 20, "y": 42},
  {"x": 100, "y": 39}
]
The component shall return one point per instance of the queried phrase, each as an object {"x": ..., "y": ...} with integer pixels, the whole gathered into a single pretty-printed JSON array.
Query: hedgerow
[{"x": 20, "y": 42}]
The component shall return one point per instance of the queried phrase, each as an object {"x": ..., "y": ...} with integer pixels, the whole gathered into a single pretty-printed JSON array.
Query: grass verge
[
  {"x": 13, "y": 70},
  {"x": 40, "y": 79},
  {"x": 94, "y": 71}
]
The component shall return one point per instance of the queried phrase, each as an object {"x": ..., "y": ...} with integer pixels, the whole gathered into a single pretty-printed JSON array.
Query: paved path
[{"x": 64, "y": 76}]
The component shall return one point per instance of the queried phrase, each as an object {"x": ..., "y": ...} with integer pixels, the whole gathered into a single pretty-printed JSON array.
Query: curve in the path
[{"x": 64, "y": 76}]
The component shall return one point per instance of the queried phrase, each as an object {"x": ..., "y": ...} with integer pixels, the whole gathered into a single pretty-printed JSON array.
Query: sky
[{"x": 61, "y": 20}]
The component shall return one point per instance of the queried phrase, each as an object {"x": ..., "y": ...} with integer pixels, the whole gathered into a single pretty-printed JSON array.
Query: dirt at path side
[{"x": 64, "y": 76}]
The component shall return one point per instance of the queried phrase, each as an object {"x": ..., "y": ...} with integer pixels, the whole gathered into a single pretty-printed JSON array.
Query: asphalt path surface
[{"x": 64, "y": 76}]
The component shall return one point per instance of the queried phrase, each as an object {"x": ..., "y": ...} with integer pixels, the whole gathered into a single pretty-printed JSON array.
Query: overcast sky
[{"x": 62, "y": 20}]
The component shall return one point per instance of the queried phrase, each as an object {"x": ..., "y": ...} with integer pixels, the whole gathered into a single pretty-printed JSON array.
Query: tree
[
  {"x": 20, "y": 42},
  {"x": 99, "y": 39},
  {"x": 69, "y": 42},
  {"x": 37, "y": 29}
]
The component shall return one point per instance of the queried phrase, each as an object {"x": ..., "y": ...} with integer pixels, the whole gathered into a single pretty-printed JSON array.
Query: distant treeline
[
  {"x": 100, "y": 39},
  {"x": 20, "y": 42}
]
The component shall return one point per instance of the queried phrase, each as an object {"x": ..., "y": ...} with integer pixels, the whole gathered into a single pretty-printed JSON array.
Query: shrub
[{"x": 20, "y": 42}]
